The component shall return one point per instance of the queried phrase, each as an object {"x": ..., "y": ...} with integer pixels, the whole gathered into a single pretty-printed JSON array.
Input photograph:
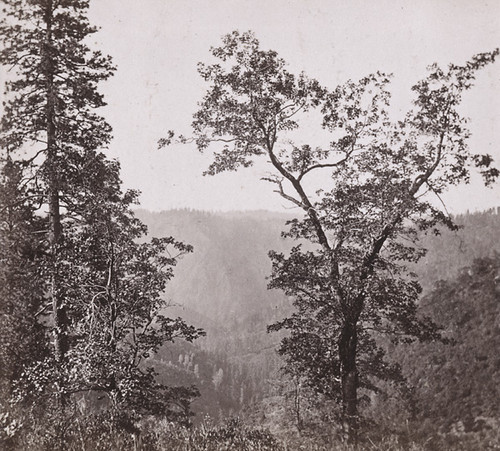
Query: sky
[{"x": 156, "y": 45}]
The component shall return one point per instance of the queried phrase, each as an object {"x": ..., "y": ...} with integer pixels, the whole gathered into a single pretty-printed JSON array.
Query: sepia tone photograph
[{"x": 249, "y": 225}]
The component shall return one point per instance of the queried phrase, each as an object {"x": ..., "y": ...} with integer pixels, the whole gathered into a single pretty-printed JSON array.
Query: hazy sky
[{"x": 156, "y": 45}]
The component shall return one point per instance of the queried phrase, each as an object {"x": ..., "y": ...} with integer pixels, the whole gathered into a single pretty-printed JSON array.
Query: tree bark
[
  {"x": 55, "y": 228},
  {"x": 348, "y": 339},
  {"x": 349, "y": 378}
]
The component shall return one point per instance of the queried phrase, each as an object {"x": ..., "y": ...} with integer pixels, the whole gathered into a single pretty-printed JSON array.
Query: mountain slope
[{"x": 222, "y": 287}]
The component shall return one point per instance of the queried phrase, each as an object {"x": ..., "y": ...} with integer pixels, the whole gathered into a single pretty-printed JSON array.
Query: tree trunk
[
  {"x": 55, "y": 228},
  {"x": 58, "y": 310},
  {"x": 349, "y": 376},
  {"x": 297, "y": 406}
]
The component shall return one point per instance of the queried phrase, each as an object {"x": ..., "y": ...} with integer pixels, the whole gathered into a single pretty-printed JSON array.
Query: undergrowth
[{"x": 104, "y": 432}]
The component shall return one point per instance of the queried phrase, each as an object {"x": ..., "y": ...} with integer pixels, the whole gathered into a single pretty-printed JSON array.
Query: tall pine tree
[
  {"x": 102, "y": 288},
  {"x": 49, "y": 112}
]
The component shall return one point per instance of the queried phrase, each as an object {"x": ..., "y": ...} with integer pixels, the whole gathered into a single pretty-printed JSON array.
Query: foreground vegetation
[
  {"x": 104, "y": 433},
  {"x": 438, "y": 412}
]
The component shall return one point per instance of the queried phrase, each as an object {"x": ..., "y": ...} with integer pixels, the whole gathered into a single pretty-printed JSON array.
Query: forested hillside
[
  {"x": 458, "y": 387},
  {"x": 450, "y": 251},
  {"x": 225, "y": 278},
  {"x": 222, "y": 287}
]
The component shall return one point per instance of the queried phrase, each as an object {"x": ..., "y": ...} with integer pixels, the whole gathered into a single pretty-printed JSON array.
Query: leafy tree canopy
[{"x": 351, "y": 283}]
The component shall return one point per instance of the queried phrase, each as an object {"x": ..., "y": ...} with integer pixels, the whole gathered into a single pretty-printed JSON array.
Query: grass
[{"x": 103, "y": 432}]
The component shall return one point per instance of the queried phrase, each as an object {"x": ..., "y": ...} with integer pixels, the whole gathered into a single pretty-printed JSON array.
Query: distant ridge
[{"x": 222, "y": 286}]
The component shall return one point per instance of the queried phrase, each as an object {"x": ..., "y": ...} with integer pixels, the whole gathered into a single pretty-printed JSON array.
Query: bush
[{"x": 231, "y": 435}]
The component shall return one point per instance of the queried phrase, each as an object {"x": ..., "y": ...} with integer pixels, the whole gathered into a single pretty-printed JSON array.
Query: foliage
[
  {"x": 49, "y": 122},
  {"x": 21, "y": 288},
  {"x": 462, "y": 386},
  {"x": 351, "y": 284},
  {"x": 113, "y": 288},
  {"x": 77, "y": 264},
  {"x": 392, "y": 426},
  {"x": 105, "y": 431},
  {"x": 113, "y": 431},
  {"x": 44, "y": 41},
  {"x": 232, "y": 435},
  {"x": 292, "y": 406},
  {"x": 238, "y": 316}
]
